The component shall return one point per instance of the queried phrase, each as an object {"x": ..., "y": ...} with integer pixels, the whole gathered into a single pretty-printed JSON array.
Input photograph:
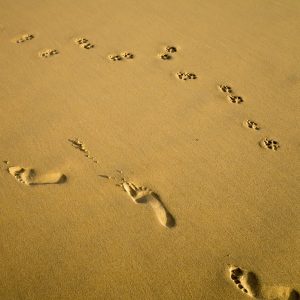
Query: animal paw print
[
  {"x": 25, "y": 37},
  {"x": 235, "y": 99},
  {"x": 251, "y": 124},
  {"x": 84, "y": 43},
  {"x": 171, "y": 49},
  {"x": 167, "y": 56},
  {"x": 119, "y": 57},
  {"x": 232, "y": 98},
  {"x": 77, "y": 144},
  {"x": 115, "y": 57},
  {"x": 47, "y": 53},
  {"x": 225, "y": 89},
  {"x": 128, "y": 55},
  {"x": 270, "y": 144},
  {"x": 186, "y": 76}
]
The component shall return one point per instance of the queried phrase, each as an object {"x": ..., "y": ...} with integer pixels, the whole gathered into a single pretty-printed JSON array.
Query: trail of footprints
[
  {"x": 244, "y": 280},
  {"x": 84, "y": 43},
  {"x": 266, "y": 143}
]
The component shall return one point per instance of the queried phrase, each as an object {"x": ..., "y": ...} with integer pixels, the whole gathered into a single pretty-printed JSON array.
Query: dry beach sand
[{"x": 149, "y": 149}]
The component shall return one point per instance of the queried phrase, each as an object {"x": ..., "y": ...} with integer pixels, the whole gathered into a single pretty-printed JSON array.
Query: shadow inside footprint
[
  {"x": 253, "y": 282},
  {"x": 170, "y": 220},
  {"x": 294, "y": 295}
]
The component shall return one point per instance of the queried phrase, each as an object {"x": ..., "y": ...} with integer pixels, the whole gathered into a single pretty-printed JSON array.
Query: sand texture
[{"x": 149, "y": 149}]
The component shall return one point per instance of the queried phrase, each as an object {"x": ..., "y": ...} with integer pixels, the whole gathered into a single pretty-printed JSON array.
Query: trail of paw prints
[
  {"x": 248, "y": 283},
  {"x": 266, "y": 143},
  {"x": 23, "y": 38},
  {"x": 142, "y": 194},
  {"x": 270, "y": 144},
  {"x": 251, "y": 125},
  {"x": 48, "y": 53},
  {"x": 84, "y": 43},
  {"x": 121, "y": 57},
  {"x": 186, "y": 76},
  {"x": 226, "y": 89},
  {"x": 79, "y": 145},
  {"x": 28, "y": 176},
  {"x": 168, "y": 51}
]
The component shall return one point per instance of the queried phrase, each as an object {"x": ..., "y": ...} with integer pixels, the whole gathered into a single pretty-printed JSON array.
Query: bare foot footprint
[
  {"x": 28, "y": 176},
  {"x": 145, "y": 195},
  {"x": 245, "y": 281}
]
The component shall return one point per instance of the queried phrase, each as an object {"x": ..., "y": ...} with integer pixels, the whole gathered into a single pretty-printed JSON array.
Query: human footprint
[
  {"x": 145, "y": 195},
  {"x": 28, "y": 176}
]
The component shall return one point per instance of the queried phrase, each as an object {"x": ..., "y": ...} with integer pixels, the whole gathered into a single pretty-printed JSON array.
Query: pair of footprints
[
  {"x": 247, "y": 282},
  {"x": 230, "y": 96},
  {"x": 28, "y": 176},
  {"x": 267, "y": 143},
  {"x": 122, "y": 56},
  {"x": 48, "y": 53},
  {"x": 84, "y": 43},
  {"x": 167, "y": 55}
]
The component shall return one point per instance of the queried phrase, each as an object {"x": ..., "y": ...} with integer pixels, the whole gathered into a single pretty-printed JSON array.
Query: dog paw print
[
  {"x": 84, "y": 43},
  {"x": 171, "y": 49},
  {"x": 235, "y": 99},
  {"x": 48, "y": 53},
  {"x": 165, "y": 56},
  {"x": 225, "y": 89},
  {"x": 251, "y": 124},
  {"x": 115, "y": 57},
  {"x": 270, "y": 144},
  {"x": 128, "y": 55},
  {"x": 186, "y": 75},
  {"x": 24, "y": 38}
]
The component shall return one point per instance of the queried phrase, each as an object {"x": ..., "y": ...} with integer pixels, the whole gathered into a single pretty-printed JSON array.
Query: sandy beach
[{"x": 149, "y": 149}]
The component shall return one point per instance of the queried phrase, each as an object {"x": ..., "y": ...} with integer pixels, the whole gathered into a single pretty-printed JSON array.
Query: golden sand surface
[{"x": 149, "y": 149}]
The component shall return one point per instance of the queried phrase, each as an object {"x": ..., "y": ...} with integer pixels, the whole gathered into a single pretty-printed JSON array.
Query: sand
[{"x": 149, "y": 149}]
